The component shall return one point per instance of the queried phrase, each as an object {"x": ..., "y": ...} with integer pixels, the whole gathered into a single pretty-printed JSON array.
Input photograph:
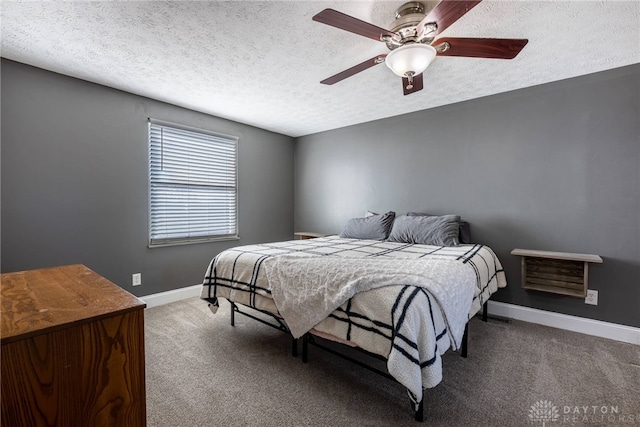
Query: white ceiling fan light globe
[{"x": 413, "y": 58}]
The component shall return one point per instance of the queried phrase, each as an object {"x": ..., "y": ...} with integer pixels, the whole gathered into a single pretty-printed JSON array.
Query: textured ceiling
[{"x": 260, "y": 62}]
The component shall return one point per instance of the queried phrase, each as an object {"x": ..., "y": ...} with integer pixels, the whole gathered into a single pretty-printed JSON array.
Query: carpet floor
[{"x": 201, "y": 371}]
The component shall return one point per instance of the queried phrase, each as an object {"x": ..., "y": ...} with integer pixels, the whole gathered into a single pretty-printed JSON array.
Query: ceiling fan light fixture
[{"x": 410, "y": 59}]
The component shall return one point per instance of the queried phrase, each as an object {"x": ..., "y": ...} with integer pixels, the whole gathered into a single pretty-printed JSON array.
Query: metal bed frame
[{"x": 309, "y": 338}]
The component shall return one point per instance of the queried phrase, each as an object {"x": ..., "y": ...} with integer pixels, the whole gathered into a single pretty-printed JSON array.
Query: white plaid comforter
[{"x": 401, "y": 322}]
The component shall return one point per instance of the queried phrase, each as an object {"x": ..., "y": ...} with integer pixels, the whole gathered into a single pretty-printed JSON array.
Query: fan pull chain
[{"x": 410, "y": 78}]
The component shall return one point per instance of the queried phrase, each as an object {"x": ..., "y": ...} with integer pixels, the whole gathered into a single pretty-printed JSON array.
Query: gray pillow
[
  {"x": 464, "y": 230},
  {"x": 426, "y": 230},
  {"x": 374, "y": 227}
]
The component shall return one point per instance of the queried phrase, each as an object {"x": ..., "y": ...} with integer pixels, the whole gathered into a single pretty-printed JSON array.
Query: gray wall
[
  {"x": 74, "y": 181},
  {"x": 554, "y": 167}
]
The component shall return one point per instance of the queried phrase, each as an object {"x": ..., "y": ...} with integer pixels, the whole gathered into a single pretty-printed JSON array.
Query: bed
[{"x": 405, "y": 302}]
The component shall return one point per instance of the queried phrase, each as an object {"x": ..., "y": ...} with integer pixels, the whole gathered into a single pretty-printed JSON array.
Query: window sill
[{"x": 192, "y": 242}]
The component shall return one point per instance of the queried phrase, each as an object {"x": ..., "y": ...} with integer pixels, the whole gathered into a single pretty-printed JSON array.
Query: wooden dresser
[{"x": 72, "y": 350}]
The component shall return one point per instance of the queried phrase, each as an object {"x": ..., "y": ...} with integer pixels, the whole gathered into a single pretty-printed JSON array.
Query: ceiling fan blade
[
  {"x": 415, "y": 86},
  {"x": 351, "y": 24},
  {"x": 446, "y": 13},
  {"x": 354, "y": 70},
  {"x": 481, "y": 48}
]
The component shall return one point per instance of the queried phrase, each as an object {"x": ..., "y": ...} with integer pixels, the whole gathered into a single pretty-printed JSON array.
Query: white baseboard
[
  {"x": 548, "y": 318},
  {"x": 162, "y": 298},
  {"x": 564, "y": 321}
]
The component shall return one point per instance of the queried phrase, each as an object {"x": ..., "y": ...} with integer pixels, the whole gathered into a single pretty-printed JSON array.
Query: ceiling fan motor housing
[{"x": 408, "y": 16}]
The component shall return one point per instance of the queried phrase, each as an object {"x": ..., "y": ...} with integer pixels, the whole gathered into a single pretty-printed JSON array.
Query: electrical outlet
[
  {"x": 592, "y": 297},
  {"x": 136, "y": 279}
]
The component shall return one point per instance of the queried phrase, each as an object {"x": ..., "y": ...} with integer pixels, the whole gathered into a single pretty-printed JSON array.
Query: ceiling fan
[{"x": 412, "y": 40}]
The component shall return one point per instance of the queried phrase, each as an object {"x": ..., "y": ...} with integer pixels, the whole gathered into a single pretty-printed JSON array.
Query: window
[{"x": 192, "y": 185}]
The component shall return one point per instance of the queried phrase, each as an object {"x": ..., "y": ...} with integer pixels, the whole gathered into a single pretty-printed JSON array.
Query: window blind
[{"x": 192, "y": 185}]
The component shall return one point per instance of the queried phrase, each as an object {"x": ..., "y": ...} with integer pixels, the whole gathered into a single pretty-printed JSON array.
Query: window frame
[{"x": 186, "y": 240}]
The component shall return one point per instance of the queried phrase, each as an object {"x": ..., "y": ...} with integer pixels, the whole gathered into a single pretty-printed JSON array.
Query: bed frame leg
[
  {"x": 233, "y": 314},
  {"x": 294, "y": 347},
  {"x": 484, "y": 311},
  {"x": 465, "y": 338},
  {"x": 305, "y": 348},
  {"x": 419, "y": 416}
]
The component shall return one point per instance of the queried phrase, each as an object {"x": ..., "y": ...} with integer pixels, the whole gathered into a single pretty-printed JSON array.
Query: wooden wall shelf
[
  {"x": 562, "y": 273},
  {"x": 304, "y": 235}
]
